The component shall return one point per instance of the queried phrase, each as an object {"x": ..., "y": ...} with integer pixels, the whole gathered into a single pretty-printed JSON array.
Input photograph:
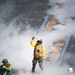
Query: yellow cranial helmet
[{"x": 39, "y": 41}]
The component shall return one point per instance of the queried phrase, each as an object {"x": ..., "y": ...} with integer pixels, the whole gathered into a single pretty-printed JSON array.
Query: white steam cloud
[{"x": 66, "y": 11}]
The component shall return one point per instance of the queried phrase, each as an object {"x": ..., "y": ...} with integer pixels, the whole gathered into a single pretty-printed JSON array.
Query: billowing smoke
[
  {"x": 62, "y": 10},
  {"x": 16, "y": 46},
  {"x": 66, "y": 24}
]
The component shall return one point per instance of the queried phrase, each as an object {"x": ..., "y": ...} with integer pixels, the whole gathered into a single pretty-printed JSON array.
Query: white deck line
[
  {"x": 65, "y": 44},
  {"x": 44, "y": 22},
  {"x": 63, "y": 51}
]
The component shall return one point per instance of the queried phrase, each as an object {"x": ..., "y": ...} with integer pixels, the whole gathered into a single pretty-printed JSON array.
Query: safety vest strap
[{"x": 37, "y": 50}]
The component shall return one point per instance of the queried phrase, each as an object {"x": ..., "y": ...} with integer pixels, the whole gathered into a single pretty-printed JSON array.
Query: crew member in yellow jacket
[{"x": 39, "y": 53}]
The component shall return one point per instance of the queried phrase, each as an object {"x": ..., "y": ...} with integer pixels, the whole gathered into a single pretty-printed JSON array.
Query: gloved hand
[
  {"x": 33, "y": 38},
  {"x": 4, "y": 67}
]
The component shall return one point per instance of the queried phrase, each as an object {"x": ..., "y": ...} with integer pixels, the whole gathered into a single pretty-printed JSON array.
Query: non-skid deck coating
[{"x": 58, "y": 44}]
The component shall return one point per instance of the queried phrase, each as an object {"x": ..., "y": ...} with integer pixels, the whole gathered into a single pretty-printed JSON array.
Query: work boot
[{"x": 33, "y": 69}]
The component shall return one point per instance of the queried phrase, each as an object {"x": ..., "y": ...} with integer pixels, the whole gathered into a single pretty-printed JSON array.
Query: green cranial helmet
[{"x": 5, "y": 61}]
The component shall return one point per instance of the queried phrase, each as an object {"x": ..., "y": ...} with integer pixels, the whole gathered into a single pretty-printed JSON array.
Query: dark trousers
[{"x": 34, "y": 62}]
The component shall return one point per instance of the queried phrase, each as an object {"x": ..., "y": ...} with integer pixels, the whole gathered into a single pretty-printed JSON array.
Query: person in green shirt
[{"x": 5, "y": 68}]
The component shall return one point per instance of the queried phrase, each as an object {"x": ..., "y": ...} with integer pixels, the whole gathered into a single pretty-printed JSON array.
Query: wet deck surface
[
  {"x": 26, "y": 11},
  {"x": 69, "y": 55}
]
